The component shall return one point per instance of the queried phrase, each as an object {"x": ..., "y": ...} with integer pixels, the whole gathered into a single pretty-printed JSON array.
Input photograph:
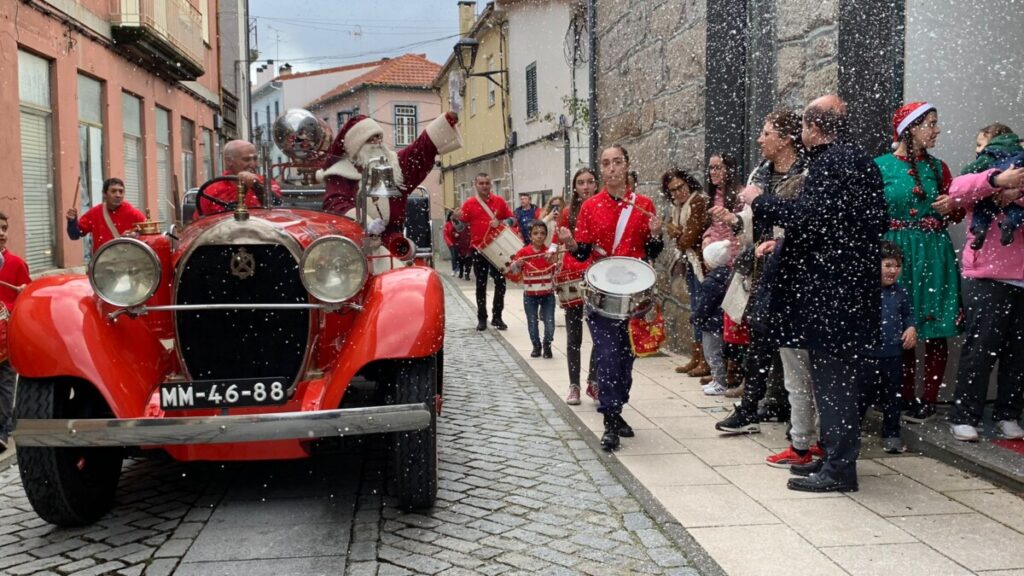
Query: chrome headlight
[
  {"x": 125, "y": 272},
  {"x": 333, "y": 269}
]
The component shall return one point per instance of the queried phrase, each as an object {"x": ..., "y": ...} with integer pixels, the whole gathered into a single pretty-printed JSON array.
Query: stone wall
[
  {"x": 651, "y": 100},
  {"x": 806, "y": 41},
  {"x": 651, "y": 81}
]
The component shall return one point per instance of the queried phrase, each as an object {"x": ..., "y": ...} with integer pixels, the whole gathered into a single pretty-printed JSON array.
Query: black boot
[
  {"x": 625, "y": 430},
  {"x": 1005, "y": 234},
  {"x": 547, "y": 350},
  {"x": 536, "y": 352},
  {"x": 610, "y": 438},
  {"x": 979, "y": 240},
  {"x": 497, "y": 323},
  {"x": 481, "y": 324}
]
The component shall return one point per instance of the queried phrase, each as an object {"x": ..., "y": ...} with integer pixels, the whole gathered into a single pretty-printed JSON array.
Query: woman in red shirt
[{"x": 615, "y": 222}]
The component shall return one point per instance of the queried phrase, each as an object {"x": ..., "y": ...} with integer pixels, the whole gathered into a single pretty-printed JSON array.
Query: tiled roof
[
  {"x": 411, "y": 70},
  {"x": 330, "y": 70}
]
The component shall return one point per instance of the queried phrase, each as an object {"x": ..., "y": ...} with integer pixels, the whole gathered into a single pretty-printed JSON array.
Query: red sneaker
[
  {"x": 817, "y": 451},
  {"x": 592, "y": 390},
  {"x": 787, "y": 458}
]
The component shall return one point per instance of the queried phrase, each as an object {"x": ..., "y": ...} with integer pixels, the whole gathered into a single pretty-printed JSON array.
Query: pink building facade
[
  {"x": 398, "y": 96},
  {"x": 125, "y": 89}
]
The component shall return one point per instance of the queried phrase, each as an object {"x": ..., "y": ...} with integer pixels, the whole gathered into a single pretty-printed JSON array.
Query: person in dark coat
[{"x": 825, "y": 295}]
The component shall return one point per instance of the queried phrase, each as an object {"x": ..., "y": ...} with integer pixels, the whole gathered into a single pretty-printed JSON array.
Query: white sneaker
[
  {"x": 1010, "y": 429},
  {"x": 964, "y": 432},
  {"x": 714, "y": 388}
]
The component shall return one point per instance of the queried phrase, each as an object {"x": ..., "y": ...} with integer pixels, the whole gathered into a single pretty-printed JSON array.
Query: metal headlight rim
[
  {"x": 146, "y": 249},
  {"x": 322, "y": 240}
]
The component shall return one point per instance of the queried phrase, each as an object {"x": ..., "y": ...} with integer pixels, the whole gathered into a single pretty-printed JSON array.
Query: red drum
[
  {"x": 499, "y": 246},
  {"x": 569, "y": 288},
  {"x": 539, "y": 282}
]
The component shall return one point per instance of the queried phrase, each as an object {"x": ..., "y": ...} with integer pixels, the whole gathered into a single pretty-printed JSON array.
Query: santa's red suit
[{"x": 414, "y": 162}]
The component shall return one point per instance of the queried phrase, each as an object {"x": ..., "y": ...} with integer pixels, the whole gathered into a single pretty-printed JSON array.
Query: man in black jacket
[{"x": 825, "y": 295}]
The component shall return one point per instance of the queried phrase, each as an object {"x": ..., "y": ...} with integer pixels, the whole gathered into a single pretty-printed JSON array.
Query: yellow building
[{"x": 485, "y": 117}]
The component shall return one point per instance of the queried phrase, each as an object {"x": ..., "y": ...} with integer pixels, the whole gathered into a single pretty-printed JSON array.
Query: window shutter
[
  {"x": 37, "y": 184},
  {"x": 531, "y": 90},
  {"x": 133, "y": 178}
]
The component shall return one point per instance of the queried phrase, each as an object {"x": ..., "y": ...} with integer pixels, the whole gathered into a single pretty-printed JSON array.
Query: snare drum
[
  {"x": 539, "y": 282},
  {"x": 499, "y": 246},
  {"x": 569, "y": 288},
  {"x": 619, "y": 287}
]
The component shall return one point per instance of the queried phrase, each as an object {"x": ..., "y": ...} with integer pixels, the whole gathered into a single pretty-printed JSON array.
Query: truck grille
[{"x": 226, "y": 344}]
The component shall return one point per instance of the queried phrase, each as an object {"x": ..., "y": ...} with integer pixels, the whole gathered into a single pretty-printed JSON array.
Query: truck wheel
[
  {"x": 413, "y": 455},
  {"x": 66, "y": 486}
]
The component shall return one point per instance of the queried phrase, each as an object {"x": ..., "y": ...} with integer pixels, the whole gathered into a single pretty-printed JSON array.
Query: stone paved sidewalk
[{"x": 913, "y": 514}]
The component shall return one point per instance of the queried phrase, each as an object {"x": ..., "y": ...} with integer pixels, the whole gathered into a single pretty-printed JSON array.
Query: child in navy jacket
[{"x": 898, "y": 334}]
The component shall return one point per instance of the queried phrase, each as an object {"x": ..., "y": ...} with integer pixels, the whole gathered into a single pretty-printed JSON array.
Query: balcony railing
[{"x": 164, "y": 33}]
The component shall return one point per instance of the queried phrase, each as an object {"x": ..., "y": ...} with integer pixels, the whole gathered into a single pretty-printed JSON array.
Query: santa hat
[
  {"x": 717, "y": 254},
  {"x": 906, "y": 116},
  {"x": 356, "y": 132}
]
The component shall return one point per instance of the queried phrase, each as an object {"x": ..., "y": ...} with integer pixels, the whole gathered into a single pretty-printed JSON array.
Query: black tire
[
  {"x": 66, "y": 486},
  {"x": 413, "y": 455}
]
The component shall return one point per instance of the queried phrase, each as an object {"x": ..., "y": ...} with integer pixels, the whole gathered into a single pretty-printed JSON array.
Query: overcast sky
[{"x": 315, "y": 34}]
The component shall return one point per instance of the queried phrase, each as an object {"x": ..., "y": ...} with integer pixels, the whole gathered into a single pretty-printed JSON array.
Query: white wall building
[
  {"x": 273, "y": 95},
  {"x": 545, "y": 75}
]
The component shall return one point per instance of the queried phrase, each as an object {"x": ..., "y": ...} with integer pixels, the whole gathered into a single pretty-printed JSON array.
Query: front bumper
[{"x": 222, "y": 429}]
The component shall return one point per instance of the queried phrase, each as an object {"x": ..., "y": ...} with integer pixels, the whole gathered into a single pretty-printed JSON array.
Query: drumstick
[
  {"x": 559, "y": 251},
  {"x": 9, "y": 285},
  {"x": 642, "y": 211},
  {"x": 78, "y": 186}
]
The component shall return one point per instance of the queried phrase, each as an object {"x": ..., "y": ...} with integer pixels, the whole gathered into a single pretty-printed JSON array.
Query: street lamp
[{"x": 465, "y": 55}]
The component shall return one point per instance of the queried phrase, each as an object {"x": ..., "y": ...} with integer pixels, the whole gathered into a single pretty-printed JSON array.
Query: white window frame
[{"x": 406, "y": 120}]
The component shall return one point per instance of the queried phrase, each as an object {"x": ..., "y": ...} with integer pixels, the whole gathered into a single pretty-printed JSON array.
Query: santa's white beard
[{"x": 369, "y": 152}]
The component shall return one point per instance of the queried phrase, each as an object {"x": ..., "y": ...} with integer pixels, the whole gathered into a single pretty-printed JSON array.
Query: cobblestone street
[{"x": 520, "y": 491}]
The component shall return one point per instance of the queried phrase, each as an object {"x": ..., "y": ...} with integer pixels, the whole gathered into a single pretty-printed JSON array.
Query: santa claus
[{"x": 359, "y": 141}]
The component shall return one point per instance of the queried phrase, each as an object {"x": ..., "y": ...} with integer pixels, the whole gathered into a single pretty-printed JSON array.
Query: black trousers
[
  {"x": 761, "y": 355},
  {"x": 481, "y": 269},
  {"x": 838, "y": 380},
  {"x": 574, "y": 346},
  {"x": 994, "y": 314}
]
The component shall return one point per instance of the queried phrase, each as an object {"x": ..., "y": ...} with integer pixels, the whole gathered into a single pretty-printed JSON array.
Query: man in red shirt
[
  {"x": 480, "y": 220},
  {"x": 110, "y": 219},
  {"x": 13, "y": 277},
  {"x": 613, "y": 222},
  {"x": 239, "y": 159}
]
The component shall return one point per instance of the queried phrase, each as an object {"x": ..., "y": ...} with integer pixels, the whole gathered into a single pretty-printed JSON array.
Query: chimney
[
  {"x": 467, "y": 16},
  {"x": 265, "y": 73},
  {"x": 285, "y": 69}
]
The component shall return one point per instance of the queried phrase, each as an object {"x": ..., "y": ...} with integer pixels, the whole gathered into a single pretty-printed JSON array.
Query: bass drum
[{"x": 619, "y": 287}]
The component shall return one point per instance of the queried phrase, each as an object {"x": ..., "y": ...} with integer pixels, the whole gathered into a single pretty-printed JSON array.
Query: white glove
[{"x": 375, "y": 227}]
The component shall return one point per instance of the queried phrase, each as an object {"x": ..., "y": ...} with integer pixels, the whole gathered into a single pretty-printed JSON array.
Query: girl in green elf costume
[{"x": 916, "y": 191}]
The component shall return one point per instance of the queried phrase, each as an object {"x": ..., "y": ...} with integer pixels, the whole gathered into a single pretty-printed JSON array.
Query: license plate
[{"x": 224, "y": 393}]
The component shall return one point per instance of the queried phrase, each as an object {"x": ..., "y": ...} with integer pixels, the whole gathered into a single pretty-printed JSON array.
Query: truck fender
[
  {"x": 402, "y": 317},
  {"x": 59, "y": 328}
]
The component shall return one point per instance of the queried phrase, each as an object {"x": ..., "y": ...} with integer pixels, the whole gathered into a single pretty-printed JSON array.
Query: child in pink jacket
[{"x": 993, "y": 296}]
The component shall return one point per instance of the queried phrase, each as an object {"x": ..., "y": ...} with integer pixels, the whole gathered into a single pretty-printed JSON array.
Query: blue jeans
[
  {"x": 693, "y": 287},
  {"x": 540, "y": 308},
  {"x": 985, "y": 212},
  {"x": 614, "y": 361}
]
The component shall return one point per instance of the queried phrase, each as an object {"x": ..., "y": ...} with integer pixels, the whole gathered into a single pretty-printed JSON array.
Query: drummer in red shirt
[
  {"x": 614, "y": 222},
  {"x": 110, "y": 219},
  {"x": 239, "y": 159},
  {"x": 480, "y": 220},
  {"x": 13, "y": 277}
]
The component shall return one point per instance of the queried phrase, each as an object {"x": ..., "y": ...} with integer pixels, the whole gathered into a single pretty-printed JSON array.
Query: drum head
[{"x": 621, "y": 275}]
